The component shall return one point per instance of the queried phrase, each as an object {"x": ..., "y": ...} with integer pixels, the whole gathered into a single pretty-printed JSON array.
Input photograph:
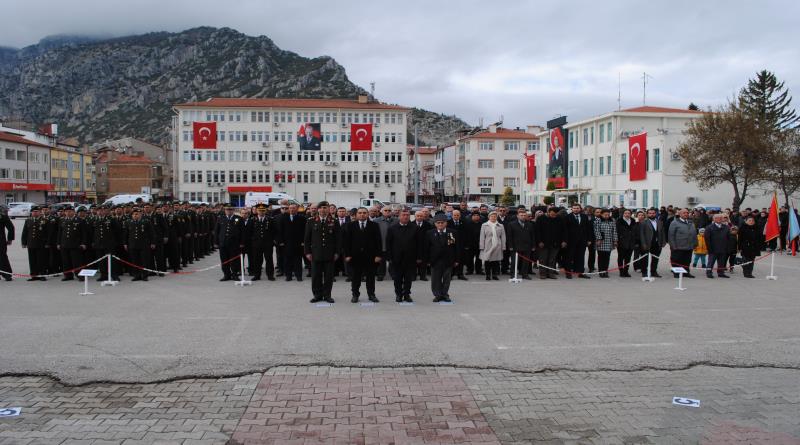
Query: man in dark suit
[
  {"x": 551, "y": 235},
  {"x": 6, "y": 238},
  {"x": 342, "y": 220},
  {"x": 363, "y": 247},
  {"x": 291, "y": 229},
  {"x": 105, "y": 237},
  {"x": 521, "y": 239},
  {"x": 139, "y": 242},
  {"x": 651, "y": 239},
  {"x": 72, "y": 242},
  {"x": 404, "y": 251},
  {"x": 716, "y": 236},
  {"x": 441, "y": 247},
  {"x": 580, "y": 234},
  {"x": 36, "y": 238},
  {"x": 457, "y": 225},
  {"x": 228, "y": 236},
  {"x": 627, "y": 239},
  {"x": 471, "y": 238},
  {"x": 261, "y": 236},
  {"x": 423, "y": 227},
  {"x": 158, "y": 259},
  {"x": 321, "y": 246}
]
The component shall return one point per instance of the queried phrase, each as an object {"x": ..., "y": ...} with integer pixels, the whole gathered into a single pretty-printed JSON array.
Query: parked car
[{"x": 19, "y": 209}]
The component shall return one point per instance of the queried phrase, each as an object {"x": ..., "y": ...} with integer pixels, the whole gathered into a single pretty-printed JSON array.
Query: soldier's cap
[
  {"x": 323, "y": 204},
  {"x": 67, "y": 208},
  {"x": 136, "y": 210},
  {"x": 44, "y": 206},
  {"x": 34, "y": 208},
  {"x": 81, "y": 209},
  {"x": 227, "y": 205},
  {"x": 260, "y": 206},
  {"x": 440, "y": 217}
]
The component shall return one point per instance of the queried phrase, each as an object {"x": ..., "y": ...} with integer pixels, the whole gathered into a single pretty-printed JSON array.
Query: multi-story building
[
  {"x": 598, "y": 162},
  {"x": 72, "y": 174},
  {"x": 24, "y": 169},
  {"x": 426, "y": 158},
  {"x": 129, "y": 165},
  {"x": 488, "y": 161},
  {"x": 258, "y": 149},
  {"x": 444, "y": 173}
]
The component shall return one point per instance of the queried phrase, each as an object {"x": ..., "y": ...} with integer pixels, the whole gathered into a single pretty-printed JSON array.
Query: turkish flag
[
  {"x": 205, "y": 134},
  {"x": 530, "y": 165},
  {"x": 772, "y": 229},
  {"x": 637, "y": 152},
  {"x": 361, "y": 137}
]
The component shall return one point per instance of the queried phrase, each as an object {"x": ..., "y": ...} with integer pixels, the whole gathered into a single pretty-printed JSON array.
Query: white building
[
  {"x": 426, "y": 159},
  {"x": 598, "y": 164},
  {"x": 444, "y": 171},
  {"x": 257, "y": 149},
  {"x": 24, "y": 169},
  {"x": 488, "y": 161}
]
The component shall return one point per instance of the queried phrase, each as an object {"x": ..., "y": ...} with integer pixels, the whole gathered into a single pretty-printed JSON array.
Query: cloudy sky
[{"x": 526, "y": 60}]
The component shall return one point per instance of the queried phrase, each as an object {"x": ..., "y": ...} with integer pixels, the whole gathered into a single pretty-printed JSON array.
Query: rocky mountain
[{"x": 98, "y": 89}]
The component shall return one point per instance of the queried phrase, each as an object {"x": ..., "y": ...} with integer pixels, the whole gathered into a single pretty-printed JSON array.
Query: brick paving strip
[{"x": 311, "y": 405}]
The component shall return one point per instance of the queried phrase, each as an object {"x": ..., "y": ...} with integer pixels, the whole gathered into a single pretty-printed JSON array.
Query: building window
[
  {"x": 655, "y": 198},
  {"x": 510, "y": 182},
  {"x": 533, "y": 146},
  {"x": 656, "y": 164},
  {"x": 608, "y": 165},
  {"x": 647, "y": 160},
  {"x": 602, "y": 170},
  {"x": 608, "y": 128},
  {"x": 585, "y": 167},
  {"x": 623, "y": 163},
  {"x": 486, "y": 146},
  {"x": 585, "y": 136},
  {"x": 485, "y": 163},
  {"x": 571, "y": 169},
  {"x": 644, "y": 198},
  {"x": 511, "y": 146},
  {"x": 511, "y": 164},
  {"x": 602, "y": 134},
  {"x": 591, "y": 135},
  {"x": 591, "y": 171},
  {"x": 485, "y": 182}
]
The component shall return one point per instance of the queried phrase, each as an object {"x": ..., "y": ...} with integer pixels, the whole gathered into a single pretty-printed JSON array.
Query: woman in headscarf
[{"x": 492, "y": 244}]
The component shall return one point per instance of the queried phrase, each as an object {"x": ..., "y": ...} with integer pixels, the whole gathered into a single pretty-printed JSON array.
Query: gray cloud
[{"x": 526, "y": 60}]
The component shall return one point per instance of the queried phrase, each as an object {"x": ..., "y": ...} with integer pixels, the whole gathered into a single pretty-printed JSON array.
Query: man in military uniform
[
  {"x": 72, "y": 242},
  {"x": 187, "y": 256},
  {"x": 321, "y": 247},
  {"x": 82, "y": 214},
  {"x": 36, "y": 238},
  {"x": 441, "y": 252},
  {"x": 158, "y": 261},
  {"x": 261, "y": 235},
  {"x": 6, "y": 237},
  {"x": 228, "y": 236},
  {"x": 172, "y": 247},
  {"x": 121, "y": 220},
  {"x": 139, "y": 242},
  {"x": 105, "y": 235}
]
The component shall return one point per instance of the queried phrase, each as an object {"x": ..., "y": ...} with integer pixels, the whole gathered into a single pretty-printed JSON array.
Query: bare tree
[
  {"x": 724, "y": 146},
  {"x": 783, "y": 162}
]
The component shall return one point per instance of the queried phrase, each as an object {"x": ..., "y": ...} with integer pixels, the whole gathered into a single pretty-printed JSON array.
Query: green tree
[
  {"x": 722, "y": 147},
  {"x": 768, "y": 101},
  {"x": 508, "y": 197},
  {"x": 693, "y": 107}
]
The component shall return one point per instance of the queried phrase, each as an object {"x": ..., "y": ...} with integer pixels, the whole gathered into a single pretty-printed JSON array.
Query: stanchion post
[
  {"x": 516, "y": 278},
  {"x": 109, "y": 281},
  {"x": 771, "y": 275},
  {"x": 242, "y": 282},
  {"x": 649, "y": 277}
]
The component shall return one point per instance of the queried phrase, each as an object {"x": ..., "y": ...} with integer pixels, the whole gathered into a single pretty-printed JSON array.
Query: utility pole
[
  {"x": 417, "y": 176},
  {"x": 645, "y": 76}
]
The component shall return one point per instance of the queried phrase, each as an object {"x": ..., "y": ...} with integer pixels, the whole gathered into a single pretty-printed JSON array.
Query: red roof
[
  {"x": 649, "y": 109},
  {"x": 10, "y": 137},
  {"x": 224, "y": 102},
  {"x": 423, "y": 150},
  {"x": 502, "y": 133}
]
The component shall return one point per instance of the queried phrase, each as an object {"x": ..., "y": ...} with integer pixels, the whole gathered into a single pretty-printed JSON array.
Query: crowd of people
[{"x": 324, "y": 242}]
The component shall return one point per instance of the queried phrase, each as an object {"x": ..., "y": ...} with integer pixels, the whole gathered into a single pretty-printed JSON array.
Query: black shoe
[
  {"x": 279, "y": 274},
  {"x": 398, "y": 299},
  {"x": 33, "y": 279},
  {"x": 139, "y": 279},
  {"x": 271, "y": 278},
  {"x": 749, "y": 276},
  {"x": 374, "y": 299},
  {"x": 256, "y": 278},
  {"x": 333, "y": 280},
  {"x": 604, "y": 275},
  {"x": 315, "y": 300},
  {"x": 221, "y": 279},
  {"x": 379, "y": 278},
  {"x": 688, "y": 275},
  {"x": 288, "y": 278},
  {"x": 145, "y": 278},
  {"x": 447, "y": 300},
  {"x": 436, "y": 299},
  {"x": 526, "y": 277},
  {"x": 299, "y": 279},
  {"x": 354, "y": 299},
  {"x": 708, "y": 275},
  {"x": 328, "y": 300},
  {"x": 408, "y": 299},
  {"x": 308, "y": 274},
  {"x": 423, "y": 279},
  {"x": 488, "y": 278},
  {"x": 494, "y": 277},
  {"x": 67, "y": 279},
  {"x": 583, "y": 275},
  {"x": 553, "y": 277},
  {"x": 462, "y": 278},
  {"x": 112, "y": 279},
  {"x": 568, "y": 275},
  {"x": 722, "y": 275},
  {"x": 348, "y": 279},
  {"x": 656, "y": 275}
]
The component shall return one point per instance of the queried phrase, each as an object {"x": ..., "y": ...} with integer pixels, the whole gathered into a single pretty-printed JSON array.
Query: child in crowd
[{"x": 701, "y": 251}]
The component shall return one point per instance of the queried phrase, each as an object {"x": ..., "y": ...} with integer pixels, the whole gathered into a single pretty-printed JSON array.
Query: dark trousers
[
  {"x": 505, "y": 263},
  {"x": 720, "y": 259},
  {"x": 440, "y": 279},
  {"x": 5, "y": 265},
  {"x": 380, "y": 272},
  {"x": 322, "y": 278},
  {"x": 474, "y": 263},
  {"x": 102, "y": 266},
  {"x": 186, "y": 250},
  {"x": 681, "y": 258},
  {"x": 492, "y": 268},
  {"x": 159, "y": 260},
  {"x": 293, "y": 264},
  {"x": 70, "y": 259},
  {"x": 523, "y": 265},
  {"x": 624, "y": 260},
  {"x": 280, "y": 258},
  {"x": 366, "y": 271},
  {"x": 422, "y": 270},
  {"x": 402, "y": 275},
  {"x": 262, "y": 254},
  {"x": 140, "y": 258},
  {"x": 37, "y": 260},
  {"x": 603, "y": 258},
  {"x": 592, "y": 257},
  {"x": 747, "y": 269},
  {"x": 575, "y": 256},
  {"x": 172, "y": 251},
  {"x": 547, "y": 257},
  {"x": 655, "y": 249},
  {"x": 55, "y": 262},
  {"x": 230, "y": 268}
]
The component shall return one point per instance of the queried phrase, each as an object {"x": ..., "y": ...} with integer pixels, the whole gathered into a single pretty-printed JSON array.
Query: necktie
[{"x": 362, "y": 226}]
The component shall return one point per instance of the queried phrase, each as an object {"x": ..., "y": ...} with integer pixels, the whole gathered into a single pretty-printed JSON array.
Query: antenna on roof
[
  {"x": 645, "y": 76},
  {"x": 480, "y": 122},
  {"x": 619, "y": 91},
  {"x": 372, "y": 89}
]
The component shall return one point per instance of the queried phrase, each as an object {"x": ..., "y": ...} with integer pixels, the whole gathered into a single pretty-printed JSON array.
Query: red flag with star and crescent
[
  {"x": 360, "y": 137},
  {"x": 205, "y": 134},
  {"x": 637, "y": 152}
]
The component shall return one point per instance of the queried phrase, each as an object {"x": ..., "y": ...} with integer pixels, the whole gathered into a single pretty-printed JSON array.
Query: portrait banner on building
[
  {"x": 360, "y": 137},
  {"x": 205, "y": 135},
  {"x": 557, "y": 162},
  {"x": 309, "y": 136}
]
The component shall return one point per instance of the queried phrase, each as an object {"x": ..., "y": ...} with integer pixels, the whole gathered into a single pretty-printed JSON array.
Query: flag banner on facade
[
  {"x": 530, "y": 168},
  {"x": 205, "y": 135},
  {"x": 361, "y": 137},
  {"x": 558, "y": 162},
  {"x": 637, "y": 153},
  {"x": 309, "y": 136},
  {"x": 772, "y": 229}
]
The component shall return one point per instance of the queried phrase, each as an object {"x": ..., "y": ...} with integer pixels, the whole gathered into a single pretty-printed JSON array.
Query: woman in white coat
[{"x": 492, "y": 244}]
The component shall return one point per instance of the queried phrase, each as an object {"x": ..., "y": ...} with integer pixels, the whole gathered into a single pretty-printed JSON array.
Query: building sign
[
  {"x": 252, "y": 188},
  {"x": 486, "y": 190},
  {"x": 25, "y": 186}
]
